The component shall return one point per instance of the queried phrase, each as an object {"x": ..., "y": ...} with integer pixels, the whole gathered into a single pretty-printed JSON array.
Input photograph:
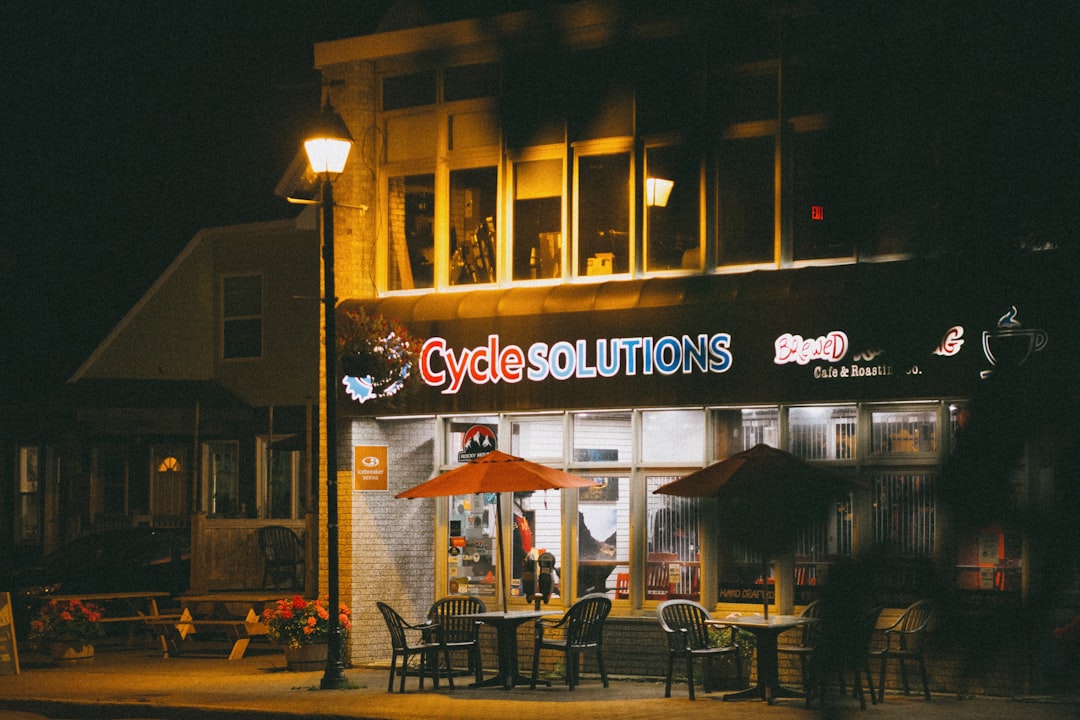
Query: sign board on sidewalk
[{"x": 9, "y": 654}]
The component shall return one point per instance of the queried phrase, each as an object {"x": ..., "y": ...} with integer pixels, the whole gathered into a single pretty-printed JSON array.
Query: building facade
[{"x": 632, "y": 245}]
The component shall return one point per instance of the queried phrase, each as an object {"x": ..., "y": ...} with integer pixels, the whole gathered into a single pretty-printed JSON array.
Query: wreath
[{"x": 375, "y": 355}]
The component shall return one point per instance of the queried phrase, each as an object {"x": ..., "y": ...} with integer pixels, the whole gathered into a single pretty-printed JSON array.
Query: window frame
[
  {"x": 535, "y": 154},
  {"x": 595, "y": 148},
  {"x": 652, "y": 145},
  {"x": 226, "y": 320}
]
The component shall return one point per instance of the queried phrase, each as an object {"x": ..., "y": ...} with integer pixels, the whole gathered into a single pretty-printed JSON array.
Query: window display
[{"x": 472, "y": 542}]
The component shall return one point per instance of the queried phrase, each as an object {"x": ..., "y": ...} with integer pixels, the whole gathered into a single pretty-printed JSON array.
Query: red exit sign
[{"x": 817, "y": 212}]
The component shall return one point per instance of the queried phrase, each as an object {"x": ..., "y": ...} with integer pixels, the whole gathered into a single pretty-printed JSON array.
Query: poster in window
[{"x": 604, "y": 490}]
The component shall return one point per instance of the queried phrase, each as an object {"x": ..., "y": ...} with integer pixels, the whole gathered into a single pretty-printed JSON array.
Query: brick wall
[{"x": 386, "y": 542}]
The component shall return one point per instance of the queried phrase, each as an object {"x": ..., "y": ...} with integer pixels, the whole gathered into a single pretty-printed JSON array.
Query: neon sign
[
  {"x": 794, "y": 348},
  {"x": 441, "y": 366}
]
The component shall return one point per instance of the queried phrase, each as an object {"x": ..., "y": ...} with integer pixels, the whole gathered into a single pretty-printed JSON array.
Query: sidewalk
[{"x": 140, "y": 683}]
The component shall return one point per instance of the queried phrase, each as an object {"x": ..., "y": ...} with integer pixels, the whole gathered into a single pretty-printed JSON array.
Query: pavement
[{"x": 140, "y": 683}]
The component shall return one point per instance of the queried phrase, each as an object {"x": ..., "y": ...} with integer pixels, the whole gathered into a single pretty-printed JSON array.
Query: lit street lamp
[{"x": 328, "y": 145}]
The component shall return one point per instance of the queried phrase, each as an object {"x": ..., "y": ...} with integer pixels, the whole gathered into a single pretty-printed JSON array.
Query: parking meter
[{"x": 546, "y": 580}]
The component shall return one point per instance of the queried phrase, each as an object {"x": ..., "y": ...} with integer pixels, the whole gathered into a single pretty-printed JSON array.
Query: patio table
[
  {"x": 506, "y": 625},
  {"x": 766, "y": 633}
]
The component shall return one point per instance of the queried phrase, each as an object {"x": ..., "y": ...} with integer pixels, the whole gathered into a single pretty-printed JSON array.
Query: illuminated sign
[
  {"x": 442, "y": 366},
  {"x": 794, "y": 348},
  {"x": 952, "y": 342}
]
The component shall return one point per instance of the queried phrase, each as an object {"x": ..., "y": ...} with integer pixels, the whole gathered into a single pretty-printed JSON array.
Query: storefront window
[
  {"x": 604, "y": 537},
  {"x": 472, "y": 545},
  {"x": 822, "y": 433},
  {"x": 473, "y": 240},
  {"x": 736, "y": 430},
  {"x": 603, "y": 438},
  {"x": 672, "y": 209},
  {"x": 673, "y": 436},
  {"x": 537, "y": 529},
  {"x": 537, "y": 241},
  {"x": 990, "y": 560},
  {"x": 744, "y": 576},
  {"x": 904, "y": 433},
  {"x": 410, "y": 222},
  {"x": 820, "y": 545},
  {"x": 603, "y": 215},
  {"x": 470, "y": 437},
  {"x": 904, "y": 513},
  {"x": 537, "y": 516},
  {"x": 673, "y": 565}
]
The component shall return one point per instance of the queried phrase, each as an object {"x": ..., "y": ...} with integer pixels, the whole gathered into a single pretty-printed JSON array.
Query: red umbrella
[
  {"x": 496, "y": 472},
  {"x": 765, "y": 497}
]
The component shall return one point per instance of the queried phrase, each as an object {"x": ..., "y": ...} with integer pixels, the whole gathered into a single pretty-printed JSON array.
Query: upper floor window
[
  {"x": 411, "y": 220},
  {"x": 459, "y": 82},
  {"x": 745, "y": 200},
  {"x": 411, "y": 90},
  {"x": 472, "y": 210},
  {"x": 470, "y": 82},
  {"x": 538, "y": 219},
  {"x": 604, "y": 229},
  {"x": 241, "y": 316},
  {"x": 672, "y": 208}
]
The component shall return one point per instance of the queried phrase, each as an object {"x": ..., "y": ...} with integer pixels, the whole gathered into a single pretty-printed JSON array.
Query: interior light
[{"x": 657, "y": 191}]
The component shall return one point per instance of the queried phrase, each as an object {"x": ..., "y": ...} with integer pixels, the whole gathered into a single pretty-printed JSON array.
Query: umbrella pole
[
  {"x": 499, "y": 543},
  {"x": 765, "y": 587}
]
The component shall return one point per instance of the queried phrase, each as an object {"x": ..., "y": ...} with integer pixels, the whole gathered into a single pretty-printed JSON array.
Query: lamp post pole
[
  {"x": 327, "y": 148},
  {"x": 334, "y": 676}
]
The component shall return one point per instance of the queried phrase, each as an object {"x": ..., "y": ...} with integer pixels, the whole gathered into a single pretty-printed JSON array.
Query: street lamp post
[{"x": 328, "y": 147}]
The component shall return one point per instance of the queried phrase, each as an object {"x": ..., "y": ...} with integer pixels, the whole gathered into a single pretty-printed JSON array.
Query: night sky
[{"x": 129, "y": 126}]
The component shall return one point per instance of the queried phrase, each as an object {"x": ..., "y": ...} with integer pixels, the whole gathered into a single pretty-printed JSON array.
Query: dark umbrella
[
  {"x": 765, "y": 497},
  {"x": 496, "y": 472}
]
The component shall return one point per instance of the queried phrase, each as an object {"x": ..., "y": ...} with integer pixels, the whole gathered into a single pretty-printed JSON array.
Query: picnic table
[
  {"x": 135, "y": 609},
  {"x": 237, "y": 614}
]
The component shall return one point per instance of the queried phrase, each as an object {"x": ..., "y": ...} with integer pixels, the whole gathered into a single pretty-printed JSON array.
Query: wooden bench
[{"x": 174, "y": 629}]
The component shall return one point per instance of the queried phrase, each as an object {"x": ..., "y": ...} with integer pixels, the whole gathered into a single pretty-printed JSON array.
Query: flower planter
[
  {"x": 722, "y": 676},
  {"x": 64, "y": 652},
  {"x": 306, "y": 657}
]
